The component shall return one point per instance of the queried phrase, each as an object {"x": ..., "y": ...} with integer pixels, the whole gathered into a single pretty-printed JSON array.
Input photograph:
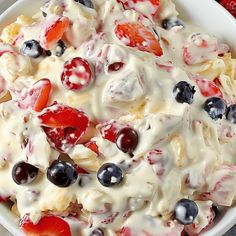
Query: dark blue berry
[
  {"x": 48, "y": 53},
  {"x": 31, "y": 48},
  {"x": 185, "y": 211},
  {"x": 215, "y": 107},
  {"x": 170, "y": 23},
  {"x": 109, "y": 175},
  {"x": 183, "y": 92},
  {"x": 24, "y": 173},
  {"x": 62, "y": 173},
  {"x": 86, "y": 3},
  {"x": 231, "y": 113},
  {"x": 127, "y": 140},
  {"x": 60, "y": 48},
  {"x": 97, "y": 232}
]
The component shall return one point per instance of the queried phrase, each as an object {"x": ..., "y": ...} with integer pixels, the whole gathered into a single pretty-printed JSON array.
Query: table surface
[{"x": 4, "y": 4}]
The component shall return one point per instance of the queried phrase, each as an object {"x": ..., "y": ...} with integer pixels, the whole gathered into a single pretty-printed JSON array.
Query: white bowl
[{"x": 220, "y": 23}]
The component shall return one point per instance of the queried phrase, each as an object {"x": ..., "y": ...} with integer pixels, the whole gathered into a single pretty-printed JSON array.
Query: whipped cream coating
[{"x": 181, "y": 153}]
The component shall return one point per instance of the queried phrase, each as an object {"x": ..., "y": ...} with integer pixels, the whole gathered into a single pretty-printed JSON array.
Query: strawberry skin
[
  {"x": 138, "y": 36},
  {"x": 36, "y": 97},
  {"x": 53, "y": 31},
  {"x": 208, "y": 88},
  {"x": 61, "y": 116},
  {"x": 47, "y": 226}
]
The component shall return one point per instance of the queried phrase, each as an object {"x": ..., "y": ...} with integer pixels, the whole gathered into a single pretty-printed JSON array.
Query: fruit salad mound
[{"x": 117, "y": 118}]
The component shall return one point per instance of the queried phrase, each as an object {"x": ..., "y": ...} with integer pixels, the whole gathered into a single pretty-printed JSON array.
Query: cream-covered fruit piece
[{"x": 117, "y": 118}]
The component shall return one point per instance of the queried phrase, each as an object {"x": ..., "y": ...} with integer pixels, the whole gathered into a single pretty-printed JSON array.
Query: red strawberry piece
[
  {"x": 63, "y": 139},
  {"x": 92, "y": 146},
  {"x": 53, "y": 31},
  {"x": 36, "y": 97},
  {"x": 134, "y": 4},
  {"x": 81, "y": 171},
  {"x": 110, "y": 129},
  {"x": 61, "y": 116},
  {"x": 217, "y": 82},
  {"x": 47, "y": 226},
  {"x": 125, "y": 231},
  {"x": 77, "y": 74},
  {"x": 230, "y": 5},
  {"x": 4, "y": 199},
  {"x": 138, "y": 36},
  {"x": 208, "y": 88}
]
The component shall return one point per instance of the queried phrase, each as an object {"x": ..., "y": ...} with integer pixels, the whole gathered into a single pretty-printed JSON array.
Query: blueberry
[
  {"x": 60, "y": 48},
  {"x": 48, "y": 53},
  {"x": 97, "y": 232},
  {"x": 31, "y": 48},
  {"x": 183, "y": 92},
  {"x": 215, "y": 107},
  {"x": 170, "y": 23},
  {"x": 185, "y": 211},
  {"x": 62, "y": 173},
  {"x": 109, "y": 175},
  {"x": 86, "y": 3},
  {"x": 127, "y": 140},
  {"x": 231, "y": 113},
  {"x": 24, "y": 173}
]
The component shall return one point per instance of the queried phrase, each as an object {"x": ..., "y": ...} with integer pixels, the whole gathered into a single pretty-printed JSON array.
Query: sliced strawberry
[
  {"x": 47, "y": 226},
  {"x": 36, "y": 97},
  {"x": 230, "y": 5},
  {"x": 63, "y": 139},
  {"x": 152, "y": 5},
  {"x": 77, "y": 74},
  {"x": 61, "y": 116},
  {"x": 81, "y": 171},
  {"x": 125, "y": 231},
  {"x": 4, "y": 199},
  {"x": 208, "y": 88},
  {"x": 92, "y": 146},
  {"x": 53, "y": 31},
  {"x": 217, "y": 82},
  {"x": 138, "y": 36},
  {"x": 110, "y": 129}
]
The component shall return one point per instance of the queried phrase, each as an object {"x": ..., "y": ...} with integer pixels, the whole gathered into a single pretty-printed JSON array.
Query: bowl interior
[
  {"x": 221, "y": 24},
  {"x": 212, "y": 17}
]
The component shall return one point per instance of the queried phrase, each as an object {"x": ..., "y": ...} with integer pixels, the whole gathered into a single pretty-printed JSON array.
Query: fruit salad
[{"x": 117, "y": 118}]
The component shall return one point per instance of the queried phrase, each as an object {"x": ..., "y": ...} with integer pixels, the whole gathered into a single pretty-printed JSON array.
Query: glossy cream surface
[{"x": 182, "y": 152}]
